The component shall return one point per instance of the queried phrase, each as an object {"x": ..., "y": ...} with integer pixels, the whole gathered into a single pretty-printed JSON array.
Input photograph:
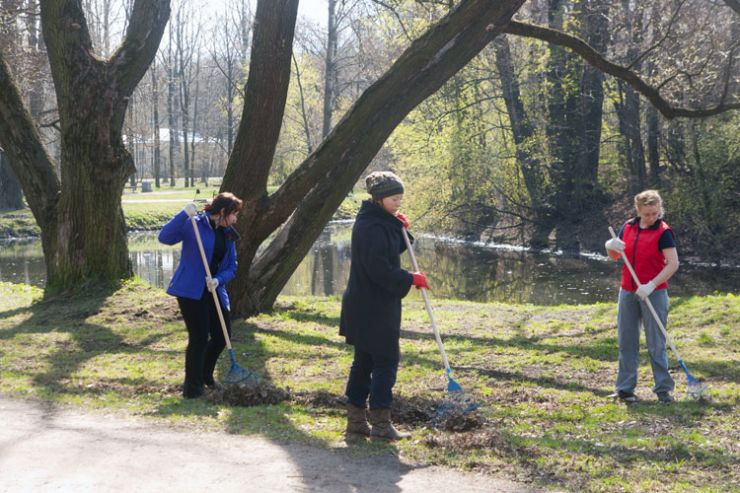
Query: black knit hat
[{"x": 381, "y": 184}]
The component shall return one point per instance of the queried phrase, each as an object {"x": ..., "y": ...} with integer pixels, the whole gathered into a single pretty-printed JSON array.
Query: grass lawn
[
  {"x": 149, "y": 211},
  {"x": 541, "y": 374}
]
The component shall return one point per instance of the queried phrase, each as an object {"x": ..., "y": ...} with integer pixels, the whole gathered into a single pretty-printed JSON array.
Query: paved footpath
[{"x": 47, "y": 448}]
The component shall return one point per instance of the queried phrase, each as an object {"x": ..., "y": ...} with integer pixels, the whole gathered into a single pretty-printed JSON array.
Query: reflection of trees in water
[
  {"x": 458, "y": 271},
  {"x": 22, "y": 262},
  {"x": 323, "y": 266},
  {"x": 455, "y": 271}
]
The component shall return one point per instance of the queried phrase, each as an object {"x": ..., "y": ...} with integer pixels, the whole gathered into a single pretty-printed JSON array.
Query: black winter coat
[{"x": 371, "y": 306}]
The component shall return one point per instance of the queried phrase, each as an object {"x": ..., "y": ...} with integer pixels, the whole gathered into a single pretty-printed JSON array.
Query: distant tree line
[{"x": 526, "y": 129}]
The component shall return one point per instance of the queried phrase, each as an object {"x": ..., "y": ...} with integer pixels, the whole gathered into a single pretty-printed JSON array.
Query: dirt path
[{"x": 47, "y": 448}]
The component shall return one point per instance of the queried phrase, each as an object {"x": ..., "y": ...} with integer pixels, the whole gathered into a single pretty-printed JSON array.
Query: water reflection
[{"x": 456, "y": 270}]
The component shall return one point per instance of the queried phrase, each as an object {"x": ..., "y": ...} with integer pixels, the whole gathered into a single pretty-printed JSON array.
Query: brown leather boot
[
  {"x": 382, "y": 426},
  {"x": 356, "y": 421}
]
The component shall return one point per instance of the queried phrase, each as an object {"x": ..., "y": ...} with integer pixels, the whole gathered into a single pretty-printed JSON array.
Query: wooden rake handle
[
  {"x": 647, "y": 300},
  {"x": 208, "y": 273},
  {"x": 426, "y": 302}
]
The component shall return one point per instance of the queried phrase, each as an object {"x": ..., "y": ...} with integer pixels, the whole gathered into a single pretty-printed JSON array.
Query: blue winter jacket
[{"x": 189, "y": 279}]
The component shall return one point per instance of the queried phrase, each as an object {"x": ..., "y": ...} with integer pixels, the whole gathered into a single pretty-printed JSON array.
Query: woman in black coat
[{"x": 371, "y": 306}]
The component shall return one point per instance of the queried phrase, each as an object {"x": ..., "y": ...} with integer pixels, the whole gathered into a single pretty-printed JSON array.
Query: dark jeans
[
  {"x": 205, "y": 341},
  {"x": 372, "y": 375}
]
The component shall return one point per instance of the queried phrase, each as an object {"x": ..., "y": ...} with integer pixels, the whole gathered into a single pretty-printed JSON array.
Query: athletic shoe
[
  {"x": 628, "y": 397},
  {"x": 665, "y": 397}
]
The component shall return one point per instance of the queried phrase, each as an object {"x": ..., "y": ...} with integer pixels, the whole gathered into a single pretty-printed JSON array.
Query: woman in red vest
[{"x": 650, "y": 246}]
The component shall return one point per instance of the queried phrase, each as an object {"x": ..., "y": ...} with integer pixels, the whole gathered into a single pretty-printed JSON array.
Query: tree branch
[
  {"x": 583, "y": 49},
  {"x": 69, "y": 48},
  {"x": 133, "y": 57},
  {"x": 27, "y": 155},
  {"x": 427, "y": 64}
]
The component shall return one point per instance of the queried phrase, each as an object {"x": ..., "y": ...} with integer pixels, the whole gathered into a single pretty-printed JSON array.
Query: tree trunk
[
  {"x": 564, "y": 133},
  {"x": 628, "y": 113},
  {"x": 574, "y": 123},
  {"x": 157, "y": 158},
  {"x": 308, "y": 198},
  {"x": 330, "y": 69},
  {"x": 523, "y": 133},
  {"x": 195, "y": 124},
  {"x": 653, "y": 143},
  {"x": 83, "y": 230},
  {"x": 11, "y": 196},
  {"x": 174, "y": 137}
]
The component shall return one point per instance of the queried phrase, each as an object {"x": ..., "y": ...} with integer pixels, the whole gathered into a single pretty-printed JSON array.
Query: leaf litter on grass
[{"x": 412, "y": 411}]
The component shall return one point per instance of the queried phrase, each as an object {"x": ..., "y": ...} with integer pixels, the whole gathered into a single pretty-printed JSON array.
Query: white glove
[
  {"x": 614, "y": 244},
  {"x": 211, "y": 284},
  {"x": 190, "y": 209},
  {"x": 645, "y": 289}
]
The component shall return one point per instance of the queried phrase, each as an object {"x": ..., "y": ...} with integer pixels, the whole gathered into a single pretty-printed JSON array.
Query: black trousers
[
  {"x": 372, "y": 375},
  {"x": 205, "y": 341}
]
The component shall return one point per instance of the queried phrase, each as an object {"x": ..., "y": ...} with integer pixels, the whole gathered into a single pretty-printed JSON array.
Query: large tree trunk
[
  {"x": 309, "y": 197},
  {"x": 83, "y": 229}
]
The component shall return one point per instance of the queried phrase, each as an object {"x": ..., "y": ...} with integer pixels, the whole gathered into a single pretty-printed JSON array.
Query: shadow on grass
[
  {"x": 81, "y": 342},
  {"x": 290, "y": 421},
  {"x": 67, "y": 314}
]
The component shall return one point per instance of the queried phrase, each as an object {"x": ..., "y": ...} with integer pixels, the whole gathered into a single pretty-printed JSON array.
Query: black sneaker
[
  {"x": 665, "y": 397},
  {"x": 624, "y": 396}
]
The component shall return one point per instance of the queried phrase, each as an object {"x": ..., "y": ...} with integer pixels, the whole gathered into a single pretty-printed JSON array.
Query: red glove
[
  {"x": 420, "y": 281},
  {"x": 403, "y": 220}
]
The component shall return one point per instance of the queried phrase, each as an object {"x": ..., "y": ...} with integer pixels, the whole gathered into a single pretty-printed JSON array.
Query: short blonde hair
[{"x": 649, "y": 198}]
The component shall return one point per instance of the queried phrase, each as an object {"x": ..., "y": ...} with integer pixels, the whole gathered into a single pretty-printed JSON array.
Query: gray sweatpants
[{"x": 631, "y": 311}]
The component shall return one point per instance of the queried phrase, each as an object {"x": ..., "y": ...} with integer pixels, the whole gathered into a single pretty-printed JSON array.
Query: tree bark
[
  {"x": 573, "y": 129},
  {"x": 27, "y": 156},
  {"x": 11, "y": 196},
  {"x": 330, "y": 69},
  {"x": 157, "y": 158},
  {"x": 173, "y": 134},
  {"x": 83, "y": 230},
  {"x": 311, "y": 194},
  {"x": 653, "y": 143},
  {"x": 523, "y": 133}
]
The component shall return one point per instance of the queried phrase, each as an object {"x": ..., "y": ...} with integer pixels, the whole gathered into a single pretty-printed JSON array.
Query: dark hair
[{"x": 225, "y": 201}]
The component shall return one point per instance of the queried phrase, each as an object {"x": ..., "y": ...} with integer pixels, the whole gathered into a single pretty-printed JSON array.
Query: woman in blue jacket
[{"x": 191, "y": 286}]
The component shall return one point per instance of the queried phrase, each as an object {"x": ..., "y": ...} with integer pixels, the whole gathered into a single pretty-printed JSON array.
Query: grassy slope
[{"x": 542, "y": 374}]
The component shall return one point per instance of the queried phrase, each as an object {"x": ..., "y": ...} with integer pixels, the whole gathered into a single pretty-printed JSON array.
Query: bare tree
[{"x": 83, "y": 230}]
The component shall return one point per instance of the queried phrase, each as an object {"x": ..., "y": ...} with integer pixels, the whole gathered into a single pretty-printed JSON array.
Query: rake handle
[
  {"x": 426, "y": 302},
  {"x": 647, "y": 301},
  {"x": 214, "y": 293}
]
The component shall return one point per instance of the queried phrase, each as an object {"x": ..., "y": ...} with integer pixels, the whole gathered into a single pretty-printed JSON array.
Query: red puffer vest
[{"x": 641, "y": 248}]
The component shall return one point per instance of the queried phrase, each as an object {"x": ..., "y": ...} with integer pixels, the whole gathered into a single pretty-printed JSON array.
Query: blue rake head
[
  {"x": 452, "y": 385},
  {"x": 240, "y": 376},
  {"x": 696, "y": 388},
  {"x": 455, "y": 404}
]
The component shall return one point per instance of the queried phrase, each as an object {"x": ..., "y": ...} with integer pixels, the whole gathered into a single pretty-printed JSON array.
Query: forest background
[{"x": 527, "y": 143}]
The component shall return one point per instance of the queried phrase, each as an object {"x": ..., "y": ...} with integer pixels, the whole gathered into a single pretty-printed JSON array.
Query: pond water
[{"x": 455, "y": 269}]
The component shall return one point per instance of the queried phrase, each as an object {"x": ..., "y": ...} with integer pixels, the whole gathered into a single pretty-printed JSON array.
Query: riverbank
[{"x": 541, "y": 374}]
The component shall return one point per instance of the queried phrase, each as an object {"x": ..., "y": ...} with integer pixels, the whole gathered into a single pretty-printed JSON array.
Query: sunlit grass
[{"x": 541, "y": 374}]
